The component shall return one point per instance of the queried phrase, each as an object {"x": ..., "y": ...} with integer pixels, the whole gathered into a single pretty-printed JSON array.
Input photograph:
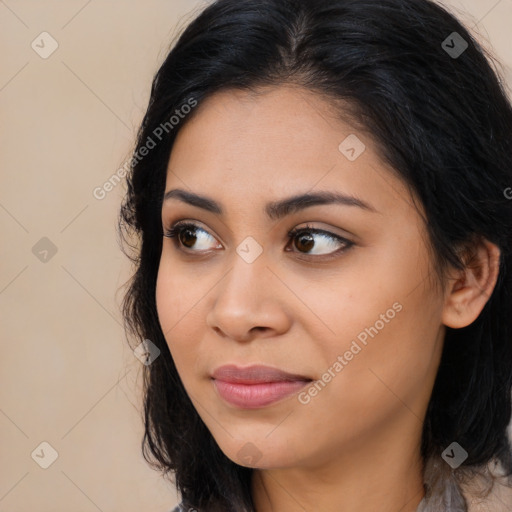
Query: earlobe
[{"x": 471, "y": 288}]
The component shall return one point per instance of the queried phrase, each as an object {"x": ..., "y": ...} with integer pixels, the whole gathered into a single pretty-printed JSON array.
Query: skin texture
[{"x": 354, "y": 446}]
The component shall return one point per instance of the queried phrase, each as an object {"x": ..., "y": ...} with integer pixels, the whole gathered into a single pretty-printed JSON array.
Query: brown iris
[
  {"x": 183, "y": 238},
  {"x": 307, "y": 240}
]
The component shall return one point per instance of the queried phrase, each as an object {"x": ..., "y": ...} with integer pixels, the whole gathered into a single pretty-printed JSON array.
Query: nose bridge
[
  {"x": 243, "y": 283},
  {"x": 245, "y": 297}
]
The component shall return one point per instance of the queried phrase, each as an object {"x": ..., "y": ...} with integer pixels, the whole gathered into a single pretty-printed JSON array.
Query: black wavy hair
[{"x": 444, "y": 124}]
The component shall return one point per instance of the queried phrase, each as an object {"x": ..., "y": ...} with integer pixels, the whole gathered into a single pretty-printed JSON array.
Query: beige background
[{"x": 67, "y": 376}]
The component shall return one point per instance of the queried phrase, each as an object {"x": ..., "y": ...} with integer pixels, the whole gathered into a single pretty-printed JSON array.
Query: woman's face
[{"x": 354, "y": 321}]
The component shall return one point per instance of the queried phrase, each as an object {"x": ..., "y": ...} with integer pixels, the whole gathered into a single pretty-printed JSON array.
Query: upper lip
[{"x": 254, "y": 374}]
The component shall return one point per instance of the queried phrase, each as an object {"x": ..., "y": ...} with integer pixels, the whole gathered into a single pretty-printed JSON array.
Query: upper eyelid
[
  {"x": 340, "y": 238},
  {"x": 188, "y": 223},
  {"x": 306, "y": 228}
]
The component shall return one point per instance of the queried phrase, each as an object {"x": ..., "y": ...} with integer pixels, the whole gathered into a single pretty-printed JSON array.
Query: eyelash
[{"x": 176, "y": 230}]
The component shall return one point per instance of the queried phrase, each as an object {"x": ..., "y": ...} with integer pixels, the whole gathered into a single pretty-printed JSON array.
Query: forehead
[
  {"x": 270, "y": 123},
  {"x": 242, "y": 146}
]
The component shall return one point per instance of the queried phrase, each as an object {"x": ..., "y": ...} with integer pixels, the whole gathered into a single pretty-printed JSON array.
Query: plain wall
[{"x": 67, "y": 376}]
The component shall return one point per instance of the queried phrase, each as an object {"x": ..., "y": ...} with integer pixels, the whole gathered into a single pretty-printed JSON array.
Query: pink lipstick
[{"x": 255, "y": 386}]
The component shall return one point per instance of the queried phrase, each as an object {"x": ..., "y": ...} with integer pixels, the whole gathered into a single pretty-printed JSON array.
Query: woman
[{"x": 320, "y": 189}]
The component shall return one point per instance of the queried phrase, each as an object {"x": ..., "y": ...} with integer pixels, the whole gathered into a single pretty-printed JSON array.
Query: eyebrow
[{"x": 275, "y": 209}]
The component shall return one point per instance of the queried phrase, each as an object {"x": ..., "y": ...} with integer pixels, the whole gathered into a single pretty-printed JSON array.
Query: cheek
[
  {"x": 174, "y": 294},
  {"x": 389, "y": 324},
  {"x": 178, "y": 300},
  {"x": 387, "y": 376},
  {"x": 388, "y": 366},
  {"x": 170, "y": 307},
  {"x": 165, "y": 299}
]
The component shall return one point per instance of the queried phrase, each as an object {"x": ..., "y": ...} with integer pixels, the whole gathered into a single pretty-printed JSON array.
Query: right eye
[{"x": 185, "y": 234}]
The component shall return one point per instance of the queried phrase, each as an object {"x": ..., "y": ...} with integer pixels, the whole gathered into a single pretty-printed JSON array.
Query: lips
[
  {"x": 254, "y": 374},
  {"x": 255, "y": 386}
]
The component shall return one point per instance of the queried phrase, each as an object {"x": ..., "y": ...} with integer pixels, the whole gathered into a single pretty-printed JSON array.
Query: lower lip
[{"x": 254, "y": 396}]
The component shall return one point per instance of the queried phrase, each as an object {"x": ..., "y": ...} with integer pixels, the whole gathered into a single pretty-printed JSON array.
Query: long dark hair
[{"x": 440, "y": 116}]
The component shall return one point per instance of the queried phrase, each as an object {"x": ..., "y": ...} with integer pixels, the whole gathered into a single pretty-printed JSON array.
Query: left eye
[{"x": 307, "y": 238}]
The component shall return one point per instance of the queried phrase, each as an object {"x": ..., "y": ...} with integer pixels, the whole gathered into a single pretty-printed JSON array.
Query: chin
[{"x": 259, "y": 451}]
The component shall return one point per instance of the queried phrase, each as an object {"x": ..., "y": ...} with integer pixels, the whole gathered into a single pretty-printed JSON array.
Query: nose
[{"x": 249, "y": 302}]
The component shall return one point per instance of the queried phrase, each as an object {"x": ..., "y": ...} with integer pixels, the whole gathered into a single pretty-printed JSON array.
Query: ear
[{"x": 469, "y": 289}]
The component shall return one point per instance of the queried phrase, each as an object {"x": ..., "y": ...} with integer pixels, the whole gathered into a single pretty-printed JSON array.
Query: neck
[{"x": 385, "y": 474}]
